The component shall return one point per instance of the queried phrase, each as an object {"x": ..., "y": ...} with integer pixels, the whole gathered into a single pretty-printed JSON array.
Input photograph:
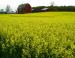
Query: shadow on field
[{"x": 7, "y": 50}]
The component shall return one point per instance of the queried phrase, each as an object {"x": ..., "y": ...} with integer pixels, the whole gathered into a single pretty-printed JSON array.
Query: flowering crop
[{"x": 38, "y": 35}]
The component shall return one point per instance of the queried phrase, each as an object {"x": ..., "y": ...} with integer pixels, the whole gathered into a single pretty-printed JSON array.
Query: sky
[{"x": 14, "y": 3}]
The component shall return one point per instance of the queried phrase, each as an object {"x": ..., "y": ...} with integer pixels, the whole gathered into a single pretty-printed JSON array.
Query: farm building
[{"x": 24, "y": 8}]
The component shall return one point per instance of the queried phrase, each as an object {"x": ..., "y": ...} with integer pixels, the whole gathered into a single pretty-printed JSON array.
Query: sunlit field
[{"x": 37, "y": 35}]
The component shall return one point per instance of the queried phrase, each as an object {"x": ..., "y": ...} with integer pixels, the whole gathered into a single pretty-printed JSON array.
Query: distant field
[{"x": 37, "y": 35}]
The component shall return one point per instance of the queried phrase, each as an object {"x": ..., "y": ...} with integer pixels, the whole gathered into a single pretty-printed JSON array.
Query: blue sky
[{"x": 14, "y": 3}]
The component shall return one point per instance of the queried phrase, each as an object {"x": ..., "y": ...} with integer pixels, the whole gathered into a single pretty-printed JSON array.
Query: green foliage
[
  {"x": 8, "y": 9},
  {"x": 54, "y": 8},
  {"x": 21, "y": 8},
  {"x": 38, "y": 35}
]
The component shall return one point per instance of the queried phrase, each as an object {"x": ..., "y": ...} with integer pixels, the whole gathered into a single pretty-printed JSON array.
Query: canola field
[{"x": 37, "y": 35}]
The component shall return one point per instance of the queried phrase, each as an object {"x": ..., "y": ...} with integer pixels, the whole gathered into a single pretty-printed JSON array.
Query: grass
[{"x": 37, "y": 35}]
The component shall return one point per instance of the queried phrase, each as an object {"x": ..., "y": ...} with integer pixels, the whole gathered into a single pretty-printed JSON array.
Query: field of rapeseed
[{"x": 37, "y": 35}]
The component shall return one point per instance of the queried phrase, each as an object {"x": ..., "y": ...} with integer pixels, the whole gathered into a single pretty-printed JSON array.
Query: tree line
[
  {"x": 53, "y": 8},
  {"x": 24, "y": 8},
  {"x": 7, "y": 10}
]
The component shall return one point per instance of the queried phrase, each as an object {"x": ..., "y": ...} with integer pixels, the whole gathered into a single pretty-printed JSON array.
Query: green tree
[
  {"x": 21, "y": 9},
  {"x": 8, "y": 9}
]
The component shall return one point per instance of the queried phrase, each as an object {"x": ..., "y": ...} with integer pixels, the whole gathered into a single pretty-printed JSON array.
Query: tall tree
[
  {"x": 8, "y": 9},
  {"x": 52, "y": 3}
]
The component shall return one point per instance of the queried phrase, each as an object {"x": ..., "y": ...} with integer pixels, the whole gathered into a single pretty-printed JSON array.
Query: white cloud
[{"x": 64, "y": 2}]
